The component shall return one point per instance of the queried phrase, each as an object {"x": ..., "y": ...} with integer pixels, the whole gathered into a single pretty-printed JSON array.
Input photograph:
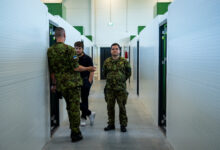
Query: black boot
[
  {"x": 109, "y": 127},
  {"x": 123, "y": 129},
  {"x": 76, "y": 136}
]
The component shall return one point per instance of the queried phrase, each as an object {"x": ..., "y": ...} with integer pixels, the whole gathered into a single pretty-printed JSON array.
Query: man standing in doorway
[
  {"x": 116, "y": 70},
  {"x": 87, "y": 77},
  {"x": 65, "y": 76}
]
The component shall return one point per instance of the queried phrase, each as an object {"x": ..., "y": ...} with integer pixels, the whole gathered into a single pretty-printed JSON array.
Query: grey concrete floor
[{"x": 142, "y": 133}]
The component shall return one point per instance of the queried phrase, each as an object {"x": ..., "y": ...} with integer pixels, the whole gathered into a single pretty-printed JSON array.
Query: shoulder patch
[{"x": 75, "y": 57}]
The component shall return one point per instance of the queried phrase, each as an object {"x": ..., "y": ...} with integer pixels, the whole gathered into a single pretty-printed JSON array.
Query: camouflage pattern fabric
[
  {"x": 110, "y": 97},
  {"x": 116, "y": 73},
  {"x": 62, "y": 60},
  {"x": 72, "y": 98}
]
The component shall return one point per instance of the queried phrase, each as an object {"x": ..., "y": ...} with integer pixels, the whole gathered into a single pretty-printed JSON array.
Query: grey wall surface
[
  {"x": 149, "y": 60},
  {"x": 193, "y": 75},
  {"x": 87, "y": 51},
  {"x": 78, "y": 13},
  {"x": 24, "y": 99},
  {"x": 87, "y": 46},
  {"x": 133, "y": 62}
]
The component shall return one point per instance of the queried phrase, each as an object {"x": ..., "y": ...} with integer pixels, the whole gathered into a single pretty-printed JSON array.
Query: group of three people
[{"x": 72, "y": 74}]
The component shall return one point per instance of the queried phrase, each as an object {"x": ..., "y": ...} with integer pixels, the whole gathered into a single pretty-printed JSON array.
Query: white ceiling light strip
[{"x": 110, "y": 14}]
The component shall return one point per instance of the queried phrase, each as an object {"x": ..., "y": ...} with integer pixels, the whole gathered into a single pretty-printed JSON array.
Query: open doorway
[
  {"x": 105, "y": 52},
  {"x": 162, "y": 76},
  {"x": 54, "y": 97}
]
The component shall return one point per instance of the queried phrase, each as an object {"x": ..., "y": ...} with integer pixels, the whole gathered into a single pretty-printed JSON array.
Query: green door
[{"x": 162, "y": 75}]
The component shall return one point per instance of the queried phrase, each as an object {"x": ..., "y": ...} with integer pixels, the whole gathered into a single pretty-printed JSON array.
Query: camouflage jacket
[
  {"x": 62, "y": 60},
  {"x": 116, "y": 73}
]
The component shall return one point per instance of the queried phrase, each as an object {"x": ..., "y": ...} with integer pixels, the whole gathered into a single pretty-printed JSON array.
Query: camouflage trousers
[
  {"x": 111, "y": 96},
  {"x": 72, "y": 98}
]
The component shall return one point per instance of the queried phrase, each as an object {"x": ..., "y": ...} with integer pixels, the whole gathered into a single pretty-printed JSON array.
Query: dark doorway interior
[
  {"x": 138, "y": 50},
  {"x": 105, "y": 52},
  {"x": 162, "y": 75},
  {"x": 92, "y": 53},
  {"x": 54, "y": 97}
]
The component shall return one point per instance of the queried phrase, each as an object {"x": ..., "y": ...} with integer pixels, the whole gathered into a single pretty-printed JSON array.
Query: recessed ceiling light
[{"x": 110, "y": 23}]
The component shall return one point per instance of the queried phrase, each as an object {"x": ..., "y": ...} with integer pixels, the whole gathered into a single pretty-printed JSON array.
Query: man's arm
[
  {"x": 104, "y": 69},
  {"x": 75, "y": 64},
  {"x": 91, "y": 75},
  {"x": 127, "y": 70},
  {"x": 53, "y": 79},
  {"x": 52, "y": 76},
  {"x": 82, "y": 68}
]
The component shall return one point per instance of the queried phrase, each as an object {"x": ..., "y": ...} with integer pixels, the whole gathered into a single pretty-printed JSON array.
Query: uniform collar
[
  {"x": 59, "y": 43},
  {"x": 116, "y": 59}
]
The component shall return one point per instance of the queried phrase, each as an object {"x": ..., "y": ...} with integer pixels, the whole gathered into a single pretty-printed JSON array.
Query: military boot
[
  {"x": 109, "y": 127},
  {"x": 76, "y": 136},
  {"x": 123, "y": 129}
]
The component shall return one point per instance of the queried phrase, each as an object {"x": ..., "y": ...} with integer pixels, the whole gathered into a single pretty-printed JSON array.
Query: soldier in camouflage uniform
[
  {"x": 116, "y": 70},
  {"x": 65, "y": 76}
]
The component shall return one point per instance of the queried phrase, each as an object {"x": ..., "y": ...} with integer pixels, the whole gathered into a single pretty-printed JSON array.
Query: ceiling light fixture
[{"x": 110, "y": 23}]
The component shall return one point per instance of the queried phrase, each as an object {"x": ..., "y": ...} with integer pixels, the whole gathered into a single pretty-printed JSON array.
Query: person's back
[
  {"x": 63, "y": 60},
  {"x": 64, "y": 71}
]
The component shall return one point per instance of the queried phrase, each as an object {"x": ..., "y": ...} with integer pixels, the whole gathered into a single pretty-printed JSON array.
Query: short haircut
[
  {"x": 59, "y": 32},
  {"x": 116, "y": 44},
  {"x": 79, "y": 44}
]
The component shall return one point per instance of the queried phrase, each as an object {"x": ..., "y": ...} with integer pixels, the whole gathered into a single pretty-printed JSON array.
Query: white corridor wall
[
  {"x": 149, "y": 65},
  {"x": 24, "y": 98},
  {"x": 133, "y": 63},
  {"x": 193, "y": 75}
]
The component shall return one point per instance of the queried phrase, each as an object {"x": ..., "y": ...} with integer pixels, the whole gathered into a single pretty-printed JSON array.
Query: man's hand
[
  {"x": 91, "y": 75},
  {"x": 91, "y": 69},
  {"x": 90, "y": 80},
  {"x": 53, "y": 88},
  {"x": 82, "y": 68}
]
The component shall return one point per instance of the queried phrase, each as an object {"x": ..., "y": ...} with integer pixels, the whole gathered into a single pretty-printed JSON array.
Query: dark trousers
[{"x": 84, "y": 105}]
